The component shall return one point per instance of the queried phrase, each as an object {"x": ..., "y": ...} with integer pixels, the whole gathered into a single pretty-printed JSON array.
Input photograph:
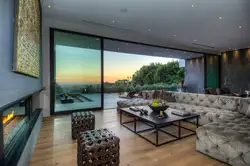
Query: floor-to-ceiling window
[
  {"x": 130, "y": 68},
  {"x": 89, "y": 72},
  {"x": 77, "y": 73}
]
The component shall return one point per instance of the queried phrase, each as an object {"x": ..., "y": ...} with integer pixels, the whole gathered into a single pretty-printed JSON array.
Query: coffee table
[{"x": 155, "y": 124}]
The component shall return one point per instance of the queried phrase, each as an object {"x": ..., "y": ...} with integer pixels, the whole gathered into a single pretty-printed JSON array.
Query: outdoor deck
[{"x": 110, "y": 100}]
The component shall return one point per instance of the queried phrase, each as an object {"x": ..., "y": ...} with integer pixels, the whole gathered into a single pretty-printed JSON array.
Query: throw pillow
[
  {"x": 157, "y": 94},
  {"x": 144, "y": 94},
  {"x": 244, "y": 108},
  {"x": 248, "y": 111},
  {"x": 150, "y": 94},
  {"x": 168, "y": 96}
]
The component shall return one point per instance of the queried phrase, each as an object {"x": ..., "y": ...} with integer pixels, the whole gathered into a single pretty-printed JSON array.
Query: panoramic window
[
  {"x": 130, "y": 68},
  {"x": 77, "y": 72}
]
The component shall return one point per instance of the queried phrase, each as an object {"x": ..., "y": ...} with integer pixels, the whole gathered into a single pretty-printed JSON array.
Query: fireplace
[
  {"x": 17, "y": 122},
  {"x": 14, "y": 118}
]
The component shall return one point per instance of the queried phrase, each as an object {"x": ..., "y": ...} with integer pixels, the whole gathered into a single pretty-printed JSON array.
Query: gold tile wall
[{"x": 27, "y": 38}]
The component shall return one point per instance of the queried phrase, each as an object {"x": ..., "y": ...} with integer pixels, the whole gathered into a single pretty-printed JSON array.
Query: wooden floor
[{"x": 56, "y": 148}]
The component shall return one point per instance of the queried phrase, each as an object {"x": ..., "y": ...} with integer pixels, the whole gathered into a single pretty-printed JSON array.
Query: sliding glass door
[{"x": 77, "y": 72}]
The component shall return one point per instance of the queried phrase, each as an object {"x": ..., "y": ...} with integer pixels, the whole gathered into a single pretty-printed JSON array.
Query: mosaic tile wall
[
  {"x": 27, "y": 38},
  {"x": 235, "y": 69}
]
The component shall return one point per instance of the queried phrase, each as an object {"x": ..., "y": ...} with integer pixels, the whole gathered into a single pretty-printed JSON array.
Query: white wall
[{"x": 83, "y": 28}]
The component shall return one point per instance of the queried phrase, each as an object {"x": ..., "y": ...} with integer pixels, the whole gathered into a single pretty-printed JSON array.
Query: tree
[{"x": 158, "y": 73}]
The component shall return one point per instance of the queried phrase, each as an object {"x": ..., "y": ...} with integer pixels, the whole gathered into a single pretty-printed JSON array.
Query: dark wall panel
[
  {"x": 212, "y": 71},
  {"x": 235, "y": 70},
  {"x": 194, "y": 75}
]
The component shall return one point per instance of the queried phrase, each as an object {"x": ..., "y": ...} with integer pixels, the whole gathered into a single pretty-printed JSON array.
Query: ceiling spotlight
[
  {"x": 192, "y": 5},
  {"x": 149, "y": 29},
  {"x": 220, "y": 18},
  {"x": 49, "y": 6},
  {"x": 113, "y": 21},
  {"x": 212, "y": 44},
  {"x": 174, "y": 35},
  {"x": 194, "y": 40},
  {"x": 118, "y": 48},
  {"x": 240, "y": 26}
]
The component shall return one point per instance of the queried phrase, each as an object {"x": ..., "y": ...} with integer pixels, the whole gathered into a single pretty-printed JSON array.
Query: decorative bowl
[{"x": 159, "y": 108}]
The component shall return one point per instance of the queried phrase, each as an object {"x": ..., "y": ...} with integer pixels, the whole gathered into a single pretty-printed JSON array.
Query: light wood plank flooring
[{"x": 56, "y": 148}]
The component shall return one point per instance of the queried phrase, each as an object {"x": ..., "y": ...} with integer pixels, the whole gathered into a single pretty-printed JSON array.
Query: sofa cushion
[
  {"x": 133, "y": 102},
  {"x": 226, "y": 140},
  {"x": 212, "y": 91},
  {"x": 248, "y": 111},
  {"x": 244, "y": 105},
  {"x": 168, "y": 96},
  {"x": 207, "y": 115},
  {"x": 150, "y": 94},
  {"x": 144, "y": 94},
  {"x": 157, "y": 94},
  {"x": 205, "y": 100}
]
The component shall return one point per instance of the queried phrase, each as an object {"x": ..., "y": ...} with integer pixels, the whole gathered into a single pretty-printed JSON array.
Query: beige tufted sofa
[{"x": 225, "y": 130}]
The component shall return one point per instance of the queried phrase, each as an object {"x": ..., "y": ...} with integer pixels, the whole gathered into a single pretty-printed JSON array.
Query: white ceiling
[
  {"x": 132, "y": 48},
  {"x": 163, "y": 19}
]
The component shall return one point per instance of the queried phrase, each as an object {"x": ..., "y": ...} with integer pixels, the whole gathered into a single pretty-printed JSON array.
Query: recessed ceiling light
[
  {"x": 193, "y": 5},
  {"x": 118, "y": 48},
  {"x": 194, "y": 40},
  {"x": 240, "y": 26},
  {"x": 49, "y": 6},
  {"x": 212, "y": 44},
  {"x": 174, "y": 35},
  {"x": 149, "y": 29},
  {"x": 220, "y": 18},
  {"x": 113, "y": 21}
]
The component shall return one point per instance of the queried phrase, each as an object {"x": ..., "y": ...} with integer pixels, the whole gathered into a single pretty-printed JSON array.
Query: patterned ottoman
[
  {"x": 82, "y": 121},
  {"x": 98, "y": 147}
]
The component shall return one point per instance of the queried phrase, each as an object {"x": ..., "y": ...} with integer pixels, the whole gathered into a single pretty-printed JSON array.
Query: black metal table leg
[
  {"x": 179, "y": 129},
  {"x": 120, "y": 116},
  {"x": 157, "y": 136},
  {"x": 135, "y": 125},
  {"x": 197, "y": 122}
]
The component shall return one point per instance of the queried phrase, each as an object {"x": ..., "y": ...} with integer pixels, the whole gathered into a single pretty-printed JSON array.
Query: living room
[{"x": 191, "y": 113}]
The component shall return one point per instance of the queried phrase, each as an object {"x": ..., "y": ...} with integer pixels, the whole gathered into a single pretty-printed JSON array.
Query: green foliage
[{"x": 154, "y": 73}]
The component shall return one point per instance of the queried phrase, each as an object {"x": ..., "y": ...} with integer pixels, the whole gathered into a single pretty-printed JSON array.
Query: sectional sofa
[{"x": 224, "y": 133}]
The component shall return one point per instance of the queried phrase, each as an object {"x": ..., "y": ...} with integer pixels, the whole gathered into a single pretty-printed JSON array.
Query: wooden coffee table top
[{"x": 151, "y": 117}]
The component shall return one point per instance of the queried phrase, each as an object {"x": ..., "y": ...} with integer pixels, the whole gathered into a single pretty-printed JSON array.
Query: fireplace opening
[{"x": 13, "y": 121}]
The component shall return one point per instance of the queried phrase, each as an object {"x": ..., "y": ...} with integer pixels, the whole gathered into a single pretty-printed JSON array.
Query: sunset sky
[{"x": 81, "y": 65}]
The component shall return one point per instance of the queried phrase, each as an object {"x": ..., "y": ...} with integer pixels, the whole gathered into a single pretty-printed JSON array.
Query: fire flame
[{"x": 8, "y": 117}]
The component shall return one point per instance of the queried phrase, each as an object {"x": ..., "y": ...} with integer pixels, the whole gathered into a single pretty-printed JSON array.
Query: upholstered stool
[
  {"x": 98, "y": 147},
  {"x": 82, "y": 121}
]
